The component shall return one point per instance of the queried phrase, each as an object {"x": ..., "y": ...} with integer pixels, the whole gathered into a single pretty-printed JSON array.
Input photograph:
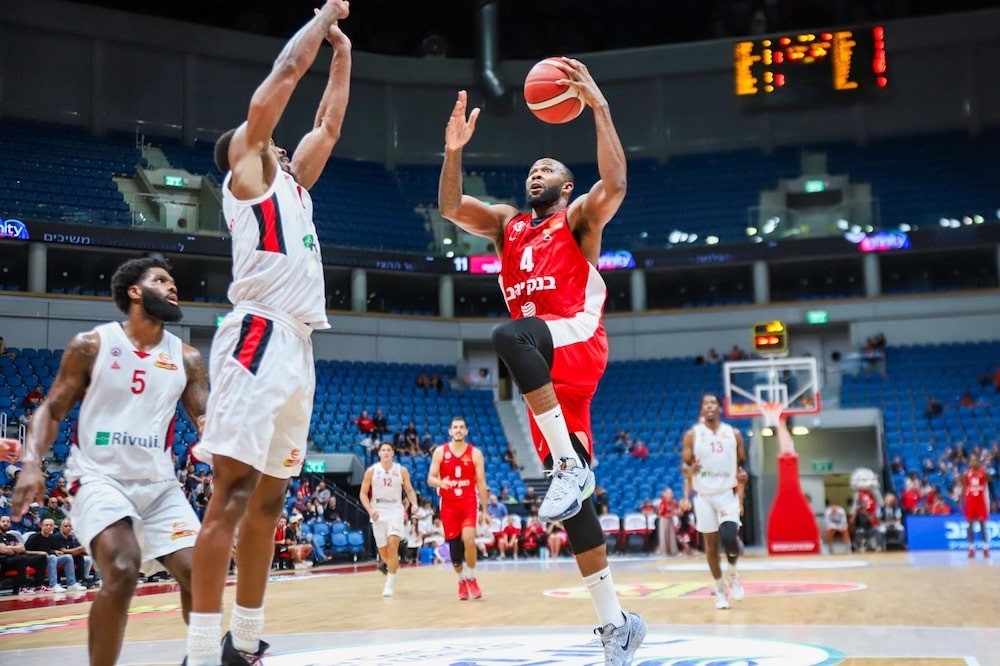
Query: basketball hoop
[{"x": 771, "y": 411}]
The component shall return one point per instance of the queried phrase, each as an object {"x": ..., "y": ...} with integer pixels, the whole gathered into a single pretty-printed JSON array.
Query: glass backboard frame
[{"x": 744, "y": 399}]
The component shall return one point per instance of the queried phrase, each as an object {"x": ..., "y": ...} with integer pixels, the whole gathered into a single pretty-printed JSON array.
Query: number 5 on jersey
[{"x": 138, "y": 381}]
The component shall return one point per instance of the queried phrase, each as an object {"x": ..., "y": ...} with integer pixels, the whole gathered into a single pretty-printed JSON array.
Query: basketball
[{"x": 551, "y": 102}]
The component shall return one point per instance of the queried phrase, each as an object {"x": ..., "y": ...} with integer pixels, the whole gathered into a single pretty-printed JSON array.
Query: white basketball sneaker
[
  {"x": 571, "y": 485},
  {"x": 620, "y": 643},
  {"x": 735, "y": 586},
  {"x": 721, "y": 599},
  {"x": 387, "y": 590}
]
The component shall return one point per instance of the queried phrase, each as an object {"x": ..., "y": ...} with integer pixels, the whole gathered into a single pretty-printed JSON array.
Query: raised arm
[
  {"x": 314, "y": 149},
  {"x": 67, "y": 389},
  {"x": 250, "y": 158},
  {"x": 469, "y": 213},
  {"x": 195, "y": 396},
  {"x": 591, "y": 212}
]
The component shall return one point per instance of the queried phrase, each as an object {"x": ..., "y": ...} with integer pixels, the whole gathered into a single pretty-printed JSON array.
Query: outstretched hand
[
  {"x": 578, "y": 78},
  {"x": 10, "y": 450},
  {"x": 459, "y": 130},
  {"x": 30, "y": 488},
  {"x": 340, "y": 9}
]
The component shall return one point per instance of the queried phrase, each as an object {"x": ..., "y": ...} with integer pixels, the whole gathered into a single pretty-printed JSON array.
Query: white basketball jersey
[
  {"x": 387, "y": 487},
  {"x": 126, "y": 424},
  {"x": 276, "y": 255},
  {"x": 716, "y": 451}
]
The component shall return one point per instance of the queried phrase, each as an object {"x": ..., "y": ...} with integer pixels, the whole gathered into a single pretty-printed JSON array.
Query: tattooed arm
[{"x": 195, "y": 395}]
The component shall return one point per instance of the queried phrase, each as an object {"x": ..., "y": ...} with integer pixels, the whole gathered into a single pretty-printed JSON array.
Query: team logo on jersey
[
  {"x": 309, "y": 241},
  {"x": 515, "y": 229},
  {"x": 553, "y": 226},
  {"x": 116, "y": 351},
  {"x": 293, "y": 459},
  {"x": 528, "y": 309},
  {"x": 115, "y": 366},
  {"x": 181, "y": 530},
  {"x": 164, "y": 362}
]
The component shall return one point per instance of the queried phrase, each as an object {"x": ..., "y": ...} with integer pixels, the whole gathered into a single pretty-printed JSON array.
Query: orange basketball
[{"x": 550, "y": 101}]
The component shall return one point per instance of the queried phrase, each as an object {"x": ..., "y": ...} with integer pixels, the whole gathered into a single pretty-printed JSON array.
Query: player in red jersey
[
  {"x": 976, "y": 483},
  {"x": 458, "y": 471},
  {"x": 555, "y": 345}
]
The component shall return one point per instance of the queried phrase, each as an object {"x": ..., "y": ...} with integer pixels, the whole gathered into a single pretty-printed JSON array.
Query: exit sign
[
  {"x": 822, "y": 465},
  {"x": 813, "y": 186},
  {"x": 314, "y": 466},
  {"x": 173, "y": 181},
  {"x": 817, "y": 317}
]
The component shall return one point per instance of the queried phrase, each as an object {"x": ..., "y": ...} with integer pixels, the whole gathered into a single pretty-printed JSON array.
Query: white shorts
[
  {"x": 263, "y": 381},
  {"x": 389, "y": 524},
  {"x": 162, "y": 518},
  {"x": 710, "y": 511}
]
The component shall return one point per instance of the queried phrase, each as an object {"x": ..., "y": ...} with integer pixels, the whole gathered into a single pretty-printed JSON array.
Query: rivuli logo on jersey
[{"x": 105, "y": 438}]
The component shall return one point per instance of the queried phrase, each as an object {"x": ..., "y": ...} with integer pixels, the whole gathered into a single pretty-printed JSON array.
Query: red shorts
[
  {"x": 456, "y": 516},
  {"x": 976, "y": 509},
  {"x": 577, "y": 368}
]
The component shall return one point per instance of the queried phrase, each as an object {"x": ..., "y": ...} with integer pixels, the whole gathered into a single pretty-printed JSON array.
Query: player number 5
[{"x": 138, "y": 381}]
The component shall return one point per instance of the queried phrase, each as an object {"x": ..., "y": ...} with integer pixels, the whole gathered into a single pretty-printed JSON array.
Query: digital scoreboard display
[{"x": 811, "y": 68}]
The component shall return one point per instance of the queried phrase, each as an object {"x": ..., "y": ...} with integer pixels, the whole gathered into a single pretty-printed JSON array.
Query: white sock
[
  {"x": 601, "y": 587},
  {"x": 390, "y": 579},
  {"x": 552, "y": 424},
  {"x": 470, "y": 572},
  {"x": 204, "y": 647},
  {"x": 246, "y": 626},
  {"x": 720, "y": 586}
]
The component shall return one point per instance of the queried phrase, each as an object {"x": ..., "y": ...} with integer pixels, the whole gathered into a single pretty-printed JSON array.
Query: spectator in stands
[
  {"x": 282, "y": 558},
  {"x": 647, "y": 507},
  {"x": 996, "y": 380},
  {"x": 60, "y": 491},
  {"x": 411, "y": 439},
  {"x": 496, "y": 509},
  {"x": 911, "y": 499},
  {"x": 33, "y": 398},
  {"x": 687, "y": 533},
  {"x": 891, "y": 528},
  {"x": 381, "y": 425},
  {"x": 510, "y": 457},
  {"x": 13, "y": 557},
  {"x": 531, "y": 501},
  {"x": 510, "y": 539},
  {"x": 933, "y": 408},
  {"x": 556, "y": 537},
  {"x": 969, "y": 401},
  {"x": 366, "y": 426},
  {"x": 54, "y": 510},
  {"x": 25, "y": 418},
  {"x": 485, "y": 540},
  {"x": 331, "y": 513},
  {"x": 427, "y": 444},
  {"x": 713, "y": 357},
  {"x": 534, "y": 538},
  {"x": 939, "y": 507},
  {"x": 322, "y": 494},
  {"x": 5, "y": 500},
  {"x": 31, "y": 520},
  {"x": 665, "y": 511},
  {"x": 67, "y": 544},
  {"x": 299, "y": 546},
  {"x": 623, "y": 442},
  {"x": 505, "y": 497},
  {"x": 434, "y": 535},
  {"x": 835, "y": 519},
  {"x": 43, "y": 542},
  {"x": 639, "y": 450},
  {"x": 737, "y": 354},
  {"x": 423, "y": 381},
  {"x": 897, "y": 466}
]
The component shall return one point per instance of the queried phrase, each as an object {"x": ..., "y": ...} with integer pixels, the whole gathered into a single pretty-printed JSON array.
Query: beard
[
  {"x": 160, "y": 308},
  {"x": 546, "y": 197}
]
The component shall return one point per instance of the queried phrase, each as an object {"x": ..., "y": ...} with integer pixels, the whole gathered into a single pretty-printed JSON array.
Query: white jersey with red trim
[
  {"x": 276, "y": 255},
  {"x": 387, "y": 487},
  {"x": 545, "y": 275},
  {"x": 716, "y": 452},
  {"x": 126, "y": 424}
]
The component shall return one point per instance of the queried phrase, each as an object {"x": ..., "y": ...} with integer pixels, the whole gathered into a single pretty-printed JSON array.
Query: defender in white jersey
[
  {"x": 128, "y": 509},
  {"x": 382, "y": 496},
  {"x": 262, "y": 369},
  {"x": 712, "y": 460}
]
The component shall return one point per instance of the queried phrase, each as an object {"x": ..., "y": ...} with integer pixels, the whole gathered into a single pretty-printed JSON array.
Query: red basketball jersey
[
  {"x": 976, "y": 487},
  {"x": 462, "y": 470},
  {"x": 544, "y": 272}
]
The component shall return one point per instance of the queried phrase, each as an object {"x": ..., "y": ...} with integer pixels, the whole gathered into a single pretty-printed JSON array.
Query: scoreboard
[{"x": 810, "y": 68}]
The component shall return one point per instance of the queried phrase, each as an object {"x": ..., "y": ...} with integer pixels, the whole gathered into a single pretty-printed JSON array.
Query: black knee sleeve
[
  {"x": 457, "y": 549},
  {"x": 525, "y": 346},
  {"x": 729, "y": 535},
  {"x": 584, "y": 529}
]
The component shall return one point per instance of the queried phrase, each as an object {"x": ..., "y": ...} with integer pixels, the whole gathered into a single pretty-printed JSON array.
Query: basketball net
[{"x": 771, "y": 411}]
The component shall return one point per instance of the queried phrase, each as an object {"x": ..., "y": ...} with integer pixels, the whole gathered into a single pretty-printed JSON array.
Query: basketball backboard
[{"x": 791, "y": 382}]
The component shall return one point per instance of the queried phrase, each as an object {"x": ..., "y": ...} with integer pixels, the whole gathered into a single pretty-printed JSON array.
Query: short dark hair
[
  {"x": 459, "y": 418},
  {"x": 131, "y": 273},
  {"x": 222, "y": 150}
]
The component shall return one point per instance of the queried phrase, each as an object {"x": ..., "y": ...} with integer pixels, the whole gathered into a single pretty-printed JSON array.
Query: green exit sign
[
  {"x": 822, "y": 465},
  {"x": 817, "y": 317},
  {"x": 314, "y": 466},
  {"x": 173, "y": 181},
  {"x": 812, "y": 186}
]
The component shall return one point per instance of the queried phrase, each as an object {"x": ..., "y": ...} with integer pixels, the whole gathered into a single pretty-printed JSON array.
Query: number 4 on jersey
[{"x": 527, "y": 260}]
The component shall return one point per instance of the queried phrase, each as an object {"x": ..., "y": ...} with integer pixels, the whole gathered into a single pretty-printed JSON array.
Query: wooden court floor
[{"x": 882, "y": 608}]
